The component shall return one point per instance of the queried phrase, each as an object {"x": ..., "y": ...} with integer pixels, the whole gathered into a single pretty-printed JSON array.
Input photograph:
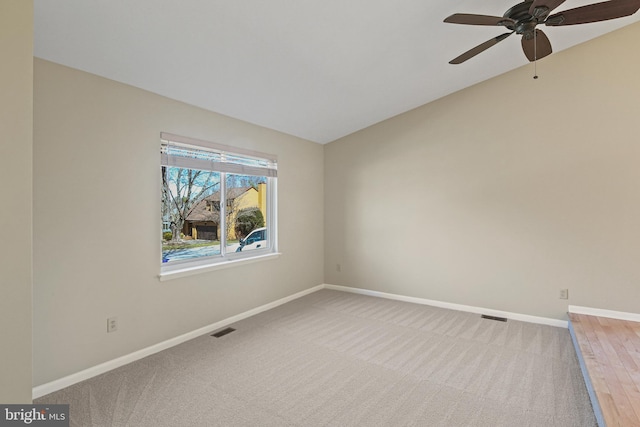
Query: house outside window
[{"x": 218, "y": 203}]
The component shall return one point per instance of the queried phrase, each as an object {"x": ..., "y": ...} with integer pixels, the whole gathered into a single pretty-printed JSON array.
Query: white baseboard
[
  {"x": 69, "y": 380},
  {"x": 634, "y": 317},
  {"x": 72, "y": 379},
  {"x": 452, "y": 306}
]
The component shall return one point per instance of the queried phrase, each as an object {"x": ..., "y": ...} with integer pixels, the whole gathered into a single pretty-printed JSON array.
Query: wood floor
[{"x": 610, "y": 351}]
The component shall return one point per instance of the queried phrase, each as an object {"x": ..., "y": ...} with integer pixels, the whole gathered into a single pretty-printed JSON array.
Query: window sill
[{"x": 190, "y": 271}]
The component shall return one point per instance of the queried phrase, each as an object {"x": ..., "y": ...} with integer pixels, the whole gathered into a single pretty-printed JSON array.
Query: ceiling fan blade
[
  {"x": 541, "y": 8},
  {"x": 594, "y": 12},
  {"x": 536, "y": 48},
  {"x": 470, "y": 19},
  {"x": 478, "y": 49}
]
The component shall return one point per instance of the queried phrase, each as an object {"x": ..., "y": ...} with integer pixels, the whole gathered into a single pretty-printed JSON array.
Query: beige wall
[
  {"x": 97, "y": 222},
  {"x": 16, "y": 127},
  {"x": 501, "y": 194}
]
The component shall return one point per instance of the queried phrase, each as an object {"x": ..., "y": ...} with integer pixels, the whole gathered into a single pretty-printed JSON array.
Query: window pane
[
  {"x": 190, "y": 214},
  {"x": 213, "y": 195},
  {"x": 246, "y": 213}
]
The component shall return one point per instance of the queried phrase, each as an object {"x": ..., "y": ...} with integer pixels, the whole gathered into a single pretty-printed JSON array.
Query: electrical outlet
[
  {"x": 112, "y": 324},
  {"x": 338, "y": 268},
  {"x": 564, "y": 294}
]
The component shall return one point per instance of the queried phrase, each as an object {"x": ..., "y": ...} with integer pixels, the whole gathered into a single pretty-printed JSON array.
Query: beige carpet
[{"x": 339, "y": 359}]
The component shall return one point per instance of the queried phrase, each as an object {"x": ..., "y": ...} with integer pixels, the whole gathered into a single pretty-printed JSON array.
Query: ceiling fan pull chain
[{"x": 535, "y": 55}]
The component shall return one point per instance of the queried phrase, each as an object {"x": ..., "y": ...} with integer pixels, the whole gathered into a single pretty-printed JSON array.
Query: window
[{"x": 218, "y": 203}]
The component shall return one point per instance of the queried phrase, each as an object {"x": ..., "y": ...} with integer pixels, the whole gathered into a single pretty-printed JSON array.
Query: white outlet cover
[{"x": 112, "y": 324}]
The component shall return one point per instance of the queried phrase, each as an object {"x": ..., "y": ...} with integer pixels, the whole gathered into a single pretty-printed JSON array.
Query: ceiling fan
[{"x": 524, "y": 17}]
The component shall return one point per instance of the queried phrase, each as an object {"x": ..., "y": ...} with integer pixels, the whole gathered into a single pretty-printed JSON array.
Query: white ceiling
[{"x": 317, "y": 69}]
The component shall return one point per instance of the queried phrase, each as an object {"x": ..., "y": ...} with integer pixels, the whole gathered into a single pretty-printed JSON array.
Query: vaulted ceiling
[{"x": 317, "y": 69}]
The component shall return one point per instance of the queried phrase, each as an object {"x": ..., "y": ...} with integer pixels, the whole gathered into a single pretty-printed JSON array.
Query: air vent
[
  {"x": 498, "y": 319},
  {"x": 223, "y": 332}
]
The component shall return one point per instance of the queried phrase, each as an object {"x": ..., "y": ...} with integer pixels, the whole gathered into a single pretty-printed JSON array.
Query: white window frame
[{"x": 181, "y": 268}]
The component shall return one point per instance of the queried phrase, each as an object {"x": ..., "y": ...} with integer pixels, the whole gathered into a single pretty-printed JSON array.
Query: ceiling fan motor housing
[{"x": 521, "y": 21}]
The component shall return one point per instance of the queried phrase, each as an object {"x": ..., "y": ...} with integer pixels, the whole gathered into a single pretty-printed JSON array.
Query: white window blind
[{"x": 191, "y": 153}]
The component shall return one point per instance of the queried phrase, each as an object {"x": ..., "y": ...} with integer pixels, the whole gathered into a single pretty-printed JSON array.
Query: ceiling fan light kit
[{"x": 523, "y": 18}]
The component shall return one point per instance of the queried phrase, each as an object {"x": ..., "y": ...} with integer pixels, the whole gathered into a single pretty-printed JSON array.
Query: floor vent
[
  {"x": 499, "y": 319},
  {"x": 223, "y": 332}
]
